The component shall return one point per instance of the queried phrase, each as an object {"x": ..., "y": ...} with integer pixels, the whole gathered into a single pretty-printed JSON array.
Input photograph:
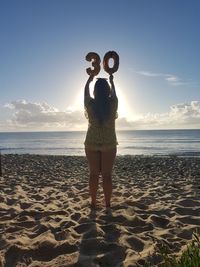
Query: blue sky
[{"x": 43, "y": 44}]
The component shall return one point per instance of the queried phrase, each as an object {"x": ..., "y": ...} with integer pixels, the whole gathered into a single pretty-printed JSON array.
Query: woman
[{"x": 101, "y": 142}]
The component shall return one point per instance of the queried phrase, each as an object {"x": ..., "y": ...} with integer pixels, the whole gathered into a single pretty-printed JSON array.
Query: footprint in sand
[
  {"x": 112, "y": 258},
  {"x": 135, "y": 221},
  {"x": 37, "y": 197},
  {"x": 82, "y": 228},
  {"x": 67, "y": 224},
  {"x": 96, "y": 246},
  {"x": 10, "y": 201},
  {"x": 25, "y": 205},
  {"x": 76, "y": 216},
  {"x": 141, "y": 229},
  {"x": 159, "y": 221},
  {"x": 188, "y": 203},
  {"x": 38, "y": 230},
  {"x": 25, "y": 224},
  {"x": 187, "y": 211},
  {"x": 44, "y": 251},
  {"x": 134, "y": 243},
  {"x": 61, "y": 235},
  {"x": 13, "y": 229},
  {"x": 186, "y": 234},
  {"x": 111, "y": 232},
  {"x": 189, "y": 220}
]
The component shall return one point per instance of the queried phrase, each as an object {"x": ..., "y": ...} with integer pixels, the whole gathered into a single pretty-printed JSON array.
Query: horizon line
[{"x": 121, "y": 130}]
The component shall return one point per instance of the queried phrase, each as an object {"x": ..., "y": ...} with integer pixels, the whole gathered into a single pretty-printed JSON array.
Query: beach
[{"x": 46, "y": 220}]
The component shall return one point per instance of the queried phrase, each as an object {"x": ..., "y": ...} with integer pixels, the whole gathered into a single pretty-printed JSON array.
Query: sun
[{"x": 124, "y": 109}]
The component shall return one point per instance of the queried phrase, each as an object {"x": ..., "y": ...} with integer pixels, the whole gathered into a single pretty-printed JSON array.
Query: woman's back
[
  {"x": 101, "y": 113},
  {"x": 101, "y": 141}
]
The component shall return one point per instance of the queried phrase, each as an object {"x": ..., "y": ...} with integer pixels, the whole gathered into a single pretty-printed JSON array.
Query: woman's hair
[{"x": 101, "y": 105}]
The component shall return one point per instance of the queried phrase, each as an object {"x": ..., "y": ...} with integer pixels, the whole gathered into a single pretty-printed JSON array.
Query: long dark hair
[{"x": 101, "y": 105}]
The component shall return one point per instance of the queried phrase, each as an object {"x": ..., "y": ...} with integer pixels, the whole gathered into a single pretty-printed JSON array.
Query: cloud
[
  {"x": 180, "y": 116},
  {"x": 28, "y": 116},
  {"x": 187, "y": 113},
  {"x": 170, "y": 78},
  {"x": 43, "y": 116}
]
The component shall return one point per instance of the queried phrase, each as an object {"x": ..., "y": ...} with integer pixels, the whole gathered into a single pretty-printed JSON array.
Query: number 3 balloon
[{"x": 94, "y": 57}]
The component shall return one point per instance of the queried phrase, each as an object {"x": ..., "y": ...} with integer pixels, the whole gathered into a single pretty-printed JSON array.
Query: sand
[{"x": 45, "y": 218}]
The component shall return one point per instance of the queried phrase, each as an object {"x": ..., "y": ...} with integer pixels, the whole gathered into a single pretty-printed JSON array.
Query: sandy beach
[{"x": 45, "y": 218}]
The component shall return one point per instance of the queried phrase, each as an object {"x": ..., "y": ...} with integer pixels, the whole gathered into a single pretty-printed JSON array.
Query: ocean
[{"x": 137, "y": 142}]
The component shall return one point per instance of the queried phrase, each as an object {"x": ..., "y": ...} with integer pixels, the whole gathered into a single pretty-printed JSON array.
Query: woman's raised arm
[
  {"x": 87, "y": 88},
  {"x": 113, "y": 92}
]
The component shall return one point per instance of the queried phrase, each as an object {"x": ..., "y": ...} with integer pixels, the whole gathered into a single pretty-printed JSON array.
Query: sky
[{"x": 43, "y": 44}]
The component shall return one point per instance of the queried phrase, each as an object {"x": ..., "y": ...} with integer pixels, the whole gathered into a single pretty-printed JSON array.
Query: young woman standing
[{"x": 101, "y": 141}]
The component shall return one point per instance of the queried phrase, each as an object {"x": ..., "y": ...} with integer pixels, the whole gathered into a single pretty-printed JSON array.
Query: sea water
[{"x": 137, "y": 142}]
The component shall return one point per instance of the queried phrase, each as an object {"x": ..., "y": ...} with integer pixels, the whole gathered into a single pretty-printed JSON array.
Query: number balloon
[
  {"x": 107, "y": 57},
  {"x": 94, "y": 57}
]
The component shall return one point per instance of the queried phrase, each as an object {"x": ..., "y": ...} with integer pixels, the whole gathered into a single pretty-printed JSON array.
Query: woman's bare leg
[
  {"x": 94, "y": 161},
  {"x": 107, "y": 161}
]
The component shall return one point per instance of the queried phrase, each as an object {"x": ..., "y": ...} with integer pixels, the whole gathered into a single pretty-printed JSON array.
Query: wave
[{"x": 132, "y": 142}]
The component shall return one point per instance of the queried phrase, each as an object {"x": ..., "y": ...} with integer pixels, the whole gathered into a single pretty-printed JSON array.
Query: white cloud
[
  {"x": 170, "y": 78},
  {"x": 149, "y": 74},
  {"x": 180, "y": 116},
  {"x": 186, "y": 112},
  {"x": 41, "y": 116}
]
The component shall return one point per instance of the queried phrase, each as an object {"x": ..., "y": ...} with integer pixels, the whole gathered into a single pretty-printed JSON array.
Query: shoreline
[
  {"x": 176, "y": 155},
  {"x": 45, "y": 218},
  {"x": 145, "y": 142}
]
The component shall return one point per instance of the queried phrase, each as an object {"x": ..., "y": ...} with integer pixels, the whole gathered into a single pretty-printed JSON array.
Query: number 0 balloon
[{"x": 107, "y": 57}]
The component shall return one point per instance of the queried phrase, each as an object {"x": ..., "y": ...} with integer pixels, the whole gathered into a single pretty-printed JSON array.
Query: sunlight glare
[{"x": 124, "y": 109}]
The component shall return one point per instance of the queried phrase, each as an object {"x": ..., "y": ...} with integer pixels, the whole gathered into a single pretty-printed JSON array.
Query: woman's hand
[
  {"x": 87, "y": 90},
  {"x": 113, "y": 93},
  {"x": 90, "y": 79}
]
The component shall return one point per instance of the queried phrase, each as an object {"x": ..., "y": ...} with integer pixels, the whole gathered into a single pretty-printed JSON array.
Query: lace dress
[{"x": 100, "y": 137}]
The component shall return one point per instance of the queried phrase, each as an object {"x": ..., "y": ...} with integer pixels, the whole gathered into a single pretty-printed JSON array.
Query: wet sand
[{"x": 45, "y": 218}]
